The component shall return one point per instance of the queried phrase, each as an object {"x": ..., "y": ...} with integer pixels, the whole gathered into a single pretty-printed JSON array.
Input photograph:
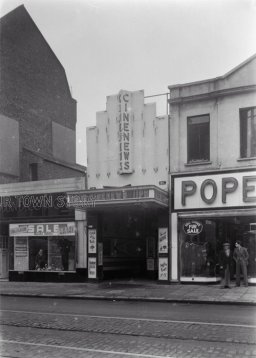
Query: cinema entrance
[{"x": 127, "y": 232}]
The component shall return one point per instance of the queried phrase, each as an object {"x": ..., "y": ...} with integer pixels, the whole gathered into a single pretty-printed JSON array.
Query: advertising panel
[
  {"x": 43, "y": 229},
  {"x": 163, "y": 268},
  {"x": 92, "y": 267},
  {"x": 21, "y": 254},
  {"x": 92, "y": 241},
  {"x": 163, "y": 240}
]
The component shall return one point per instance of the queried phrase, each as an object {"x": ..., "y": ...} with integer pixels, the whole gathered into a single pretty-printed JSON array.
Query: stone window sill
[
  {"x": 193, "y": 164},
  {"x": 246, "y": 159}
]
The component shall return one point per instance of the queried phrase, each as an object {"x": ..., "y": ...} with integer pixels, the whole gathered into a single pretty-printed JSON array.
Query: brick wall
[
  {"x": 48, "y": 170},
  {"x": 34, "y": 91},
  {"x": 6, "y": 179},
  {"x": 34, "y": 87}
]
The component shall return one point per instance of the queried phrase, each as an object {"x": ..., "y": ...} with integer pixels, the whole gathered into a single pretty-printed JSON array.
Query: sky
[{"x": 107, "y": 45}]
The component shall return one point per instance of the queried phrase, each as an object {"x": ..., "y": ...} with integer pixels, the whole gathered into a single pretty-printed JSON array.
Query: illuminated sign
[
  {"x": 124, "y": 132},
  {"x": 193, "y": 228},
  {"x": 42, "y": 229},
  {"x": 215, "y": 191}
]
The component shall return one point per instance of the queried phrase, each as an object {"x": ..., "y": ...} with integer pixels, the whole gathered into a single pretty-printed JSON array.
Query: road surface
[{"x": 43, "y": 327}]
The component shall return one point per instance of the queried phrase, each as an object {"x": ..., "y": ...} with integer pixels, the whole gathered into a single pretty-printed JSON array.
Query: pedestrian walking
[
  {"x": 225, "y": 265},
  {"x": 241, "y": 257}
]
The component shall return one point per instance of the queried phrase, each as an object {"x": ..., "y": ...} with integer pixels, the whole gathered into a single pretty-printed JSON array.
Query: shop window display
[
  {"x": 51, "y": 254},
  {"x": 250, "y": 243},
  {"x": 200, "y": 252}
]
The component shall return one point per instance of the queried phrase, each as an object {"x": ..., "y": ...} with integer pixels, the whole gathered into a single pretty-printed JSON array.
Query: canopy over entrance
[{"x": 146, "y": 195}]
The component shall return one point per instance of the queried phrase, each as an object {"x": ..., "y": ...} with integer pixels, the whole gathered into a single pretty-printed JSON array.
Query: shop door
[{"x": 3, "y": 263}]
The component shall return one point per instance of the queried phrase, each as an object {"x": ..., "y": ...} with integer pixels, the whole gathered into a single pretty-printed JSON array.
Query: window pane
[
  {"x": 248, "y": 132},
  {"x": 198, "y": 138},
  {"x": 52, "y": 253},
  {"x": 198, "y": 252},
  {"x": 61, "y": 254}
]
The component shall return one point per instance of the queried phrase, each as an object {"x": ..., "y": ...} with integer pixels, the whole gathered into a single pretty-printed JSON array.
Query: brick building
[
  {"x": 37, "y": 111},
  {"x": 38, "y": 149}
]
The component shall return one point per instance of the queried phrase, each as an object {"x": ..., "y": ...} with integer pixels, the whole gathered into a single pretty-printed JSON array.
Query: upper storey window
[
  {"x": 248, "y": 132},
  {"x": 198, "y": 138}
]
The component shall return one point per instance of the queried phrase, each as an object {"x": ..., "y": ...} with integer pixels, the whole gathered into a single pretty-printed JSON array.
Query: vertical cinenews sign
[
  {"x": 163, "y": 240},
  {"x": 92, "y": 241},
  {"x": 92, "y": 267},
  {"x": 125, "y": 132}
]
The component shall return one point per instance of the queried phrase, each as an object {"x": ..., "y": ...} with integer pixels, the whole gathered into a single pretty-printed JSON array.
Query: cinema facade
[{"x": 127, "y": 203}]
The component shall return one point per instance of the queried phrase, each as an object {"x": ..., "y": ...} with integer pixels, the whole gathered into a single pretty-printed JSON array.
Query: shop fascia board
[
  {"x": 43, "y": 186},
  {"x": 228, "y": 212},
  {"x": 87, "y": 204},
  {"x": 145, "y": 203}
]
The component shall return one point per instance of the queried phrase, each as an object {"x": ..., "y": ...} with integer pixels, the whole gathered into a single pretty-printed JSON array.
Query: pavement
[{"x": 133, "y": 290}]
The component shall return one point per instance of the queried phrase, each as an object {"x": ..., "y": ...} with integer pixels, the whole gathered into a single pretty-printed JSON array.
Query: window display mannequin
[{"x": 40, "y": 260}]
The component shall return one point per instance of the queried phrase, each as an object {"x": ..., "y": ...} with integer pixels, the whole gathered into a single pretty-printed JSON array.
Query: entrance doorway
[
  {"x": 129, "y": 238},
  {"x": 4, "y": 257}
]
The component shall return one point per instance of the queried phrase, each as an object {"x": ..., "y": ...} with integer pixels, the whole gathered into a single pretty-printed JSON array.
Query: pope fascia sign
[
  {"x": 125, "y": 132},
  {"x": 215, "y": 191}
]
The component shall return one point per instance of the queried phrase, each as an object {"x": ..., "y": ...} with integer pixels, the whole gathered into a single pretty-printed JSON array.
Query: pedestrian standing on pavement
[
  {"x": 225, "y": 265},
  {"x": 241, "y": 257}
]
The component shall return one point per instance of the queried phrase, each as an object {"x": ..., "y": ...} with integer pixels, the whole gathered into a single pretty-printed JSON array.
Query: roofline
[
  {"x": 48, "y": 158},
  {"x": 215, "y": 78},
  {"x": 24, "y": 8}
]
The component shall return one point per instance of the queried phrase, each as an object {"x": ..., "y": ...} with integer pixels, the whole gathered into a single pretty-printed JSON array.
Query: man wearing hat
[
  {"x": 241, "y": 257},
  {"x": 225, "y": 265}
]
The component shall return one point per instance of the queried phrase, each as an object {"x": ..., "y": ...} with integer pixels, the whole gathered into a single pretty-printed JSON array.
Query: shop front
[
  {"x": 127, "y": 231},
  {"x": 41, "y": 238},
  {"x": 40, "y": 249},
  {"x": 209, "y": 209}
]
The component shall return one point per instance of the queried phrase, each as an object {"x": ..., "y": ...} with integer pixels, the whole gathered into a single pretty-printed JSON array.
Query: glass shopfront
[
  {"x": 201, "y": 241},
  {"x": 42, "y": 247}
]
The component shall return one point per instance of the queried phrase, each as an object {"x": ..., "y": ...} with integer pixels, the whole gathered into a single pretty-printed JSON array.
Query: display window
[
  {"x": 44, "y": 253},
  {"x": 198, "y": 254},
  {"x": 201, "y": 242}
]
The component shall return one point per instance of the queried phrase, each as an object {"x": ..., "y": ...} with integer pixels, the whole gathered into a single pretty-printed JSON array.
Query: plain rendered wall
[
  {"x": 9, "y": 146},
  {"x": 221, "y": 98},
  {"x": 63, "y": 143},
  {"x": 149, "y": 146},
  {"x": 224, "y": 132}
]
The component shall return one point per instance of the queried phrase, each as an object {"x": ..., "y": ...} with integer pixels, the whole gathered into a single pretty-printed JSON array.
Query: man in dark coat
[
  {"x": 225, "y": 265},
  {"x": 241, "y": 257}
]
